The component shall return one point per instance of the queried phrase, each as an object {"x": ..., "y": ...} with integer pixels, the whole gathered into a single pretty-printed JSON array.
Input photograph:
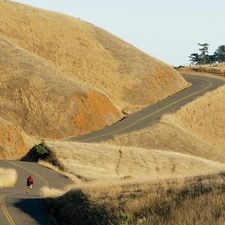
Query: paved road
[
  {"x": 17, "y": 208},
  {"x": 151, "y": 114}
]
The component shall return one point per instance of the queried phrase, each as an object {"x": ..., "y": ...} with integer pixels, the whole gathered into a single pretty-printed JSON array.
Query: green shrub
[
  {"x": 41, "y": 149},
  {"x": 125, "y": 218}
]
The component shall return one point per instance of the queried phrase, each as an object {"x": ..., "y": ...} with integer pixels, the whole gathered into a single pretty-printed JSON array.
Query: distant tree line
[{"x": 204, "y": 58}]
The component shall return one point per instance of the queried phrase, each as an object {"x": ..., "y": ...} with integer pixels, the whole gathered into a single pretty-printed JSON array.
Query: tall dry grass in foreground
[
  {"x": 189, "y": 142},
  {"x": 8, "y": 177},
  {"x": 199, "y": 200}
]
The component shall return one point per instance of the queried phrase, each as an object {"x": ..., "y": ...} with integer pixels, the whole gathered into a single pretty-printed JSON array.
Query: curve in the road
[
  {"x": 5, "y": 210},
  {"x": 18, "y": 208},
  {"x": 151, "y": 114}
]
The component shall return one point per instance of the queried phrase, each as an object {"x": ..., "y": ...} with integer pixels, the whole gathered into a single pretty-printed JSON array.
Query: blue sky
[{"x": 168, "y": 30}]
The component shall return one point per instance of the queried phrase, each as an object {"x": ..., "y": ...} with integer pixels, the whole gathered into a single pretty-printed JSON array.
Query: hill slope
[
  {"x": 195, "y": 129},
  {"x": 41, "y": 101},
  {"x": 105, "y": 162},
  {"x": 88, "y": 53},
  {"x": 189, "y": 143},
  {"x": 63, "y": 77}
]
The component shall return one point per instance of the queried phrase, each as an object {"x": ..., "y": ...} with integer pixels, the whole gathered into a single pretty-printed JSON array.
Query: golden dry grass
[
  {"x": 51, "y": 192},
  {"x": 70, "y": 77},
  {"x": 46, "y": 97},
  {"x": 188, "y": 143},
  {"x": 89, "y": 54},
  {"x": 215, "y": 69},
  {"x": 8, "y": 177},
  {"x": 104, "y": 162},
  {"x": 196, "y": 129},
  {"x": 71, "y": 176},
  {"x": 63, "y": 77},
  {"x": 190, "y": 201},
  {"x": 27, "y": 96}
]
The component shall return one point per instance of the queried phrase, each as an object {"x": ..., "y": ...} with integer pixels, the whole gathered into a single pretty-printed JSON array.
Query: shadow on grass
[
  {"x": 75, "y": 207},
  {"x": 34, "y": 210}
]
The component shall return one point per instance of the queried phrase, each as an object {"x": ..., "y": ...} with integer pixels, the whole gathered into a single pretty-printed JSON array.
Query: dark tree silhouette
[
  {"x": 194, "y": 58},
  {"x": 204, "y": 53},
  {"x": 220, "y": 53}
]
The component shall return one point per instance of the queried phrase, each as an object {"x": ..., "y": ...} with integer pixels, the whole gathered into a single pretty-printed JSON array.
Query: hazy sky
[{"x": 169, "y": 30}]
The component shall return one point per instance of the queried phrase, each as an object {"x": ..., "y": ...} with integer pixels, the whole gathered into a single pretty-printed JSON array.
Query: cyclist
[{"x": 30, "y": 182}]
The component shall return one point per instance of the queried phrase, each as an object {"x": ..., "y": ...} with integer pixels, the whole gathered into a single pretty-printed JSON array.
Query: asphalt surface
[
  {"x": 152, "y": 114},
  {"x": 18, "y": 208}
]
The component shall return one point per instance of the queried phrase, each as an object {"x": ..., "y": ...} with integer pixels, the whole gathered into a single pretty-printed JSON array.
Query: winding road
[
  {"x": 151, "y": 114},
  {"x": 18, "y": 208}
]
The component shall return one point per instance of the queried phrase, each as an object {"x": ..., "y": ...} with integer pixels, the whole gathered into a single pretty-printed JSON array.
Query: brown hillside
[
  {"x": 93, "y": 161},
  {"x": 88, "y": 53},
  {"x": 62, "y": 77},
  {"x": 12, "y": 142},
  {"x": 35, "y": 97},
  {"x": 196, "y": 129}
]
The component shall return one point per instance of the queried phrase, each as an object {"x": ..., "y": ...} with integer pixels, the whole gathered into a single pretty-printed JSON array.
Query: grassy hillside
[
  {"x": 62, "y": 77},
  {"x": 88, "y": 53},
  {"x": 196, "y": 129},
  {"x": 105, "y": 162},
  {"x": 40, "y": 101},
  {"x": 198, "y": 200},
  {"x": 174, "y": 168},
  {"x": 218, "y": 69}
]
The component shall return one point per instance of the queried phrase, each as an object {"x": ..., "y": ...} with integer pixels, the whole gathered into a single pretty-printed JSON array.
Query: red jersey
[{"x": 30, "y": 180}]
